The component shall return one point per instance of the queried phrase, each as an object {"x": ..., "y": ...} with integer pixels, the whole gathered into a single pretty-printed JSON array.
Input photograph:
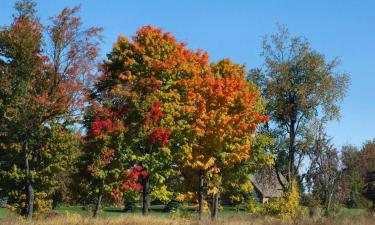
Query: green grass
[
  {"x": 3, "y": 212},
  {"x": 156, "y": 210},
  {"x": 351, "y": 212}
]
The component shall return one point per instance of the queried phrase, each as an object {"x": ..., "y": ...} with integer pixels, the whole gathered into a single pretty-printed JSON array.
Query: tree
[
  {"x": 224, "y": 110},
  {"x": 352, "y": 183},
  {"x": 298, "y": 85},
  {"x": 369, "y": 190},
  {"x": 142, "y": 78},
  {"x": 368, "y": 167},
  {"x": 100, "y": 163},
  {"x": 358, "y": 168},
  {"x": 43, "y": 73},
  {"x": 324, "y": 174}
]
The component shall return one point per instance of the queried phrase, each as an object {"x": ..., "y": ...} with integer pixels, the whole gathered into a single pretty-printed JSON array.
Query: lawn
[
  {"x": 3, "y": 212},
  {"x": 74, "y": 215}
]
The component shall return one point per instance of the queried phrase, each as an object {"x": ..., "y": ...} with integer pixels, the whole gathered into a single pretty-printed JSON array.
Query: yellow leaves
[
  {"x": 166, "y": 150},
  {"x": 41, "y": 203},
  {"x": 287, "y": 207},
  {"x": 162, "y": 193},
  {"x": 180, "y": 197},
  {"x": 210, "y": 162}
]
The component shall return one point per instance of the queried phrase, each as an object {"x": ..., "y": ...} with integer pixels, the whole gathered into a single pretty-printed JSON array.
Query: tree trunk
[
  {"x": 292, "y": 138},
  {"x": 54, "y": 201},
  {"x": 329, "y": 201},
  {"x": 98, "y": 205},
  {"x": 215, "y": 206},
  {"x": 278, "y": 176},
  {"x": 28, "y": 187},
  {"x": 99, "y": 201},
  {"x": 145, "y": 195},
  {"x": 200, "y": 194}
]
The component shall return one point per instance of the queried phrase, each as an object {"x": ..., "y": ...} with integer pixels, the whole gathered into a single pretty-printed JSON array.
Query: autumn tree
[
  {"x": 43, "y": 73},
  {"x": 224, "y": 110},
  {"x": 105, "y": 169},
  {"x": 99, "y": 167},
  {"x": 324, "y": 173},
  {"x": 142, "y": 78},
  {"x": 298, "y": 85}
]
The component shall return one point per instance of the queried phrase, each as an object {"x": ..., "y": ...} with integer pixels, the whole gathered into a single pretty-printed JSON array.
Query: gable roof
[{"x": 266, "y": 182}]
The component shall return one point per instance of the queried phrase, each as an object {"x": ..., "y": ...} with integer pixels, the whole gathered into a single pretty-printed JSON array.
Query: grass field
[{"x": 74, "y": 215}]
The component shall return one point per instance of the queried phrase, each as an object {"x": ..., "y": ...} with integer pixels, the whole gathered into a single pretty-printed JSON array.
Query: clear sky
[{"x": 233, "y": 29}]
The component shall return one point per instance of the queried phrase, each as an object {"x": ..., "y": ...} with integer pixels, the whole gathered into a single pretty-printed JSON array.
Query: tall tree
[
  {"x": 142, "y": 78},
  {"x": 298, "y": 85},
  {"x": 224, "y": 110},
  {"x": 43, "y": 73}
]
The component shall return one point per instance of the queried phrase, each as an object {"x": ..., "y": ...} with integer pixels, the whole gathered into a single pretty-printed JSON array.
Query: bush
[
  {"x": 286, "y": 207},
  {"x": 41, "y": 203}
]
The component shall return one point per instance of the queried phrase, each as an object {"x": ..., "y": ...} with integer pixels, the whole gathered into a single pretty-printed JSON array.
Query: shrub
[{"x": 286, "y": 207}]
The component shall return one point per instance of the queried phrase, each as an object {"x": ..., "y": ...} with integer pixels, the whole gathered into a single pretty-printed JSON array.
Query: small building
[{"x": 266, "y": 184}]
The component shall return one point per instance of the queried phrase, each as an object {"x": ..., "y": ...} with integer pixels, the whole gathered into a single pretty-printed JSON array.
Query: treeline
[
  {"x": 159, "y": 121},
  {"x": 340, "y": 178}
]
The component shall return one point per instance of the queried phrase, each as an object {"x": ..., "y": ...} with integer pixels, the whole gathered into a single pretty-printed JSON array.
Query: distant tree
[
  {"x": 298, "y": 85},
  {"x": 369, "y": 189},
  {"x": 352, "y": 183},
  {"x": 43, "y": 70},
  {"x": 358, "y": 167},
  {"x": 324, "y": 172},
  {"x": 368, "y": 167}
]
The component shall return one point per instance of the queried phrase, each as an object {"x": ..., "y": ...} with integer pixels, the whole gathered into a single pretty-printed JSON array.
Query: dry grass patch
[{"x": 154, "y": 220}]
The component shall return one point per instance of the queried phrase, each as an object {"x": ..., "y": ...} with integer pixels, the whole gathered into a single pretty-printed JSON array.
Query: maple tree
[
  {"x": 98, "y": 165},
  {"x": 106, "y": 170},
  {"x": 224, "y": 110},
  {"x": 44, "y": 70},
  {"x": 142, "y": 78}
]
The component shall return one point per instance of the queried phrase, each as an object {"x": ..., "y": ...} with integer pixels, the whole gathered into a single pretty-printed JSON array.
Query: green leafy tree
[
  {"x": 298, "y": 85},
  {"x": 357, "y": 184}
]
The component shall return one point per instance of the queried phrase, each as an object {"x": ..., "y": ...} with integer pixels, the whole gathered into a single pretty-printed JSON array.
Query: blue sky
[{"x": 234, "y": 28}]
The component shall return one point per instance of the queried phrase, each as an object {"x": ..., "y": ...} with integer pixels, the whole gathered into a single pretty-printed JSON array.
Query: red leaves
[
  {"x": 131, "y": 178},
  {"x": 160, "y": 136},
  {"x": 130, "y": 181},
  {"x": 100, "y": 125},
  {"x": 155, "y": 113},
  {"x": 106, "y": 120}
]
